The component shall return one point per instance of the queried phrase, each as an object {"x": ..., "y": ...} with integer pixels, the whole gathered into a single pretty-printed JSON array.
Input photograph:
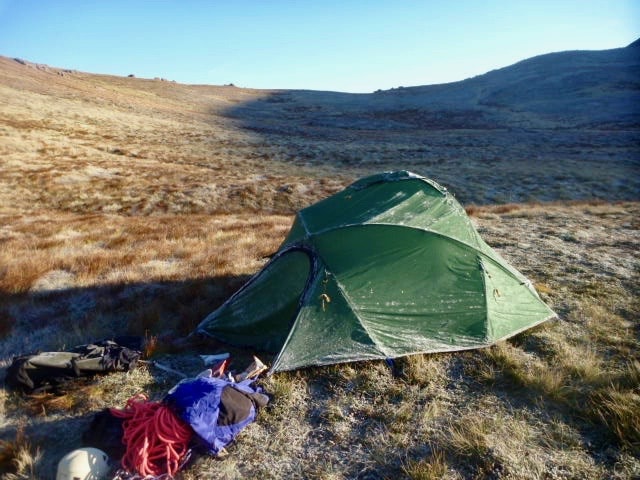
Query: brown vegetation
[{"x": 137, "y": 206}]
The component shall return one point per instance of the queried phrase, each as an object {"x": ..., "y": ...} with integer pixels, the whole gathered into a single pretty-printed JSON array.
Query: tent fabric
[{"x": 390, "y": 266}]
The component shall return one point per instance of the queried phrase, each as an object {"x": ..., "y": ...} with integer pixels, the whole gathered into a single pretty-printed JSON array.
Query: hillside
[
  {"x": 559, "y": 126},
  {"x": 136, "y": 206},
  {"x": 588, "y": 89}
]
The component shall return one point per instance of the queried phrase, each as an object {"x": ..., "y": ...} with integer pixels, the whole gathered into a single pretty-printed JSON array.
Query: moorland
[{"x": 137, "y": 206}]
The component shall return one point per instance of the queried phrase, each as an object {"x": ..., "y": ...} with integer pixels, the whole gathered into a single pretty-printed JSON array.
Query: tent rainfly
[{"x": 388, "y": 267}]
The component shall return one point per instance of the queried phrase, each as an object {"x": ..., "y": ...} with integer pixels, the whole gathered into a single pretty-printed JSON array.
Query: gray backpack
[{"x": 46, "y": 371}]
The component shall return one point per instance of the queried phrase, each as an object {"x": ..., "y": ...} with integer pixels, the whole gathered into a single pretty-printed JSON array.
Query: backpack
[{"x": 45, "y": 371}]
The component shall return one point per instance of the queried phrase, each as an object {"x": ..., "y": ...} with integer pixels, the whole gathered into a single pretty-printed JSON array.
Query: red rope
[{"x": 155, "y": 439}]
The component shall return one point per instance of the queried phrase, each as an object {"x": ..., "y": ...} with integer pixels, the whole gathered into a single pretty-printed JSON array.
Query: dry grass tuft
[
  {"x": 435, "y": 467},
  {"x": 524, "y": 370},
  {"x": 468, "y": 438},
  {"x": 506, "y": 208},
  {"x": 472, "y": 210},
  {"x": 150, "y": 345},
  {"x": 619, "y": 411},
  {"x": 46, "y": 403},
  {"x": 18, "y": 457},
  {"x": 423, "y": 369}
]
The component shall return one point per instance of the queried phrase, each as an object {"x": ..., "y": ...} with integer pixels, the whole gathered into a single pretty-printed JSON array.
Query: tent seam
[
  {"x": 314, "y": 276},
  {"x": 453, "y": 349},
  {"x": 526, "y": 283},
  {"x": 384, "y": 224},
  {"x": 483, "y": 274},
  {"x": 354, "y": 309},
  {"x": 304, "y": 224},
  {"x": 476, "y": 250},
  {"x": 520, "y": 330}
]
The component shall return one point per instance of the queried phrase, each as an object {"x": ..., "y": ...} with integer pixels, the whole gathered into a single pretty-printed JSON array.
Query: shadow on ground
[
  {"x": 54, "y": 423},
  {"x": 53, "y": 320}
]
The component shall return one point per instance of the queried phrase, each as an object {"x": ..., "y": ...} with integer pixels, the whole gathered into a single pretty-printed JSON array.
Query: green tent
[{"x": 390, "y": 266}]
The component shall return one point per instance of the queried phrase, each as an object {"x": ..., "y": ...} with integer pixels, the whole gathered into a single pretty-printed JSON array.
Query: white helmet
[{"x": 83, "y": 464}]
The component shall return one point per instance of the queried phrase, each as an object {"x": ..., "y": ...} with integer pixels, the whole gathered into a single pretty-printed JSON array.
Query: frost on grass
[{"x": 138, "y": 207}]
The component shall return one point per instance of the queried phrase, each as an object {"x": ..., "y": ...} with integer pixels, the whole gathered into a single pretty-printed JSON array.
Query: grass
[
  {"x": 134, "y": 206},
  {"x": 18, "y": 458},
  {"x": 433, "y": 468}
]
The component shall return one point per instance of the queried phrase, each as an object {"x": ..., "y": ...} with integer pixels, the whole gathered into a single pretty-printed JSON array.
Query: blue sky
[{"x": 350, "y": 46}]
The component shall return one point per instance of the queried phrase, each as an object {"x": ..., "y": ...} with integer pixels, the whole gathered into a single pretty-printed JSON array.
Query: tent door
[{"x": 261, "y": 313}]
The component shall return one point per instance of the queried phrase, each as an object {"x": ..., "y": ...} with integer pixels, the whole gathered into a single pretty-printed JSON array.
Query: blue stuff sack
[{"x": 216, "y": 409}]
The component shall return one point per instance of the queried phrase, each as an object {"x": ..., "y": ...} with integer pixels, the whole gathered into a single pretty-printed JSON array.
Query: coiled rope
[{"x": 155, "y": 439}]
